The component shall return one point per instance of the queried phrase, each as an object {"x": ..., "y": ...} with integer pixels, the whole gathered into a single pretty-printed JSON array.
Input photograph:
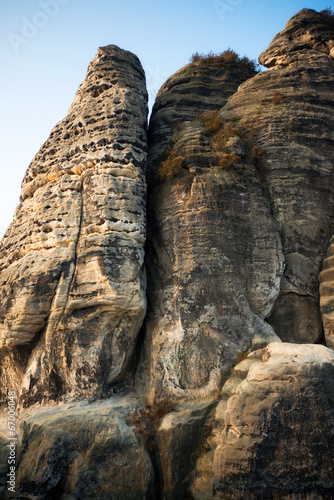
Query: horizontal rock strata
[
  {"x": 240, "y": 214},
  {"x": 278, "y": 414},
  {"x": 200, "y": 86},
  {"x": 291, "y": 108},
  {"x": 214, "y": 261},
  {"x": 72, "y": 279}
]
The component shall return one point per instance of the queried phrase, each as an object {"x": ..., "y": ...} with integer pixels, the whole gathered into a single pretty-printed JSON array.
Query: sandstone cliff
[
  {"x": 291, "y": 107},
  {"x": 218, "y": 390},
  {"x": 203, "y": 85},
  {"x": 258, "y": 226},
  {"x": 72, "y": 278}
]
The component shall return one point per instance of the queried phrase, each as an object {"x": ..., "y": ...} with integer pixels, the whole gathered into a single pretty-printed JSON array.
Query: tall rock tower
[{"x": 72, "y": 280}]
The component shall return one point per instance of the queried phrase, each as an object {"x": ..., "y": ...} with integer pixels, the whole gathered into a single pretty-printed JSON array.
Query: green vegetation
[
  {"x": 147, "y": 420},
  {"x": 229, "y": 56}
]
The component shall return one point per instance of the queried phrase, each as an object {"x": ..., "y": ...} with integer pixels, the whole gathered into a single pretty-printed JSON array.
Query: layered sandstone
[
  {"x": 214, "y": 261},
  {"x": 291, "y": 108},
  {"x": 276, "y": 417},
  {"x": 200, "y": 86},
  {"x": 72, "y": 278},
  {"x": 236, "y": 240}
]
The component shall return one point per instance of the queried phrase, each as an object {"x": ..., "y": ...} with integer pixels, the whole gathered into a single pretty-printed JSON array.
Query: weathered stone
[
  {"x": 278, "y": 441},
  {"x": 327, "y": 295},
  {"x": 307, "y": 29},
  {"x": 197, "y": 87},
  {"x": 82, "y": 451},
  {"x": 290, "y": 107},
  {"x": 178, "y": 439},
  {"x": 297, "y": 318},
  {"x": 72, "y": 277},
  {"x": 202, "y": 484},
  {"x": 233, "y": 256},
  {"x": 214, "y": 264}
]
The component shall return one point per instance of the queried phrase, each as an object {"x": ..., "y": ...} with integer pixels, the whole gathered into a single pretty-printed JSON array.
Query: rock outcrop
[
  {"x": 83, "y": 451},
  {"x": 306, "y": 30},
  {"x": 291, "y": 108},
  {"x": 72, "y": 277},
  {"x": 200, "y": 86},
  {"x": 221, "y": 391},
  {"x": 277, "y": 416},
  {"x": 214, "y": 263},
  {"x": 213, "y": 256}
]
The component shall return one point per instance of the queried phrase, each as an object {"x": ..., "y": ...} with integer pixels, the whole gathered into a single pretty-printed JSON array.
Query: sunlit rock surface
[{"x": 72, "y": 278}]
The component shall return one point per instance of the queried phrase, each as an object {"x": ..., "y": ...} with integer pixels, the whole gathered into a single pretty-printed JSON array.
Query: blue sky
[{"x": 46, "y": 46}]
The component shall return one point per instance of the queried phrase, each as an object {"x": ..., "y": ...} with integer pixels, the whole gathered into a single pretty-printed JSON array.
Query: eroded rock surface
[
  {"x": 200, "y": 86},
  {"x": 233, "y": 255},
  {"x": 82, "y": 451},
  {"x": 306, "y": 30},
  {"x": 278, "y": 411},
  {"x": 291, "y": 108},
  {"x": 214, "y": 261},
  {"x": 72, "y": 277},
  {"x": 179, "y": 437}
]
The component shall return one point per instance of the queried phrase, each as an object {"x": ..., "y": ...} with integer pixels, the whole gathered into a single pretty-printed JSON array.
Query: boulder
[
  {"x": 83, "y": 451},
  {"x": 277, "y": 441}
]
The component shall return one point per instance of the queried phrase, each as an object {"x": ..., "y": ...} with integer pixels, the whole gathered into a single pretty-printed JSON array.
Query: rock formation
[
  {"x": 326, "y": 296},
  {"x": 291, "y": 107},
  {"x": 218, "y": 390},
  {"x": 72, "y": 277},
  {"x": 200, "y": 86},
  {"x": 84, "y": 451},
  {"x": 272, "y": 431},
  {"x": 211, "y": 233}
]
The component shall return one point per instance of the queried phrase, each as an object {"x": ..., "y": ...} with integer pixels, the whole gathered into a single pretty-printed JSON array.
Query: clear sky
[{"x": 46, "y": 46}]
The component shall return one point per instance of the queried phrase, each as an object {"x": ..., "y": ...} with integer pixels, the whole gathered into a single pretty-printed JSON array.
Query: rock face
[
  {"x": 306, "y": 30},
  {"x": 326, "y": 296},
  {"x": 291, "y": 108},
  {"x": 178, "y": 439},
  {"x": 277, "y": 441},
  {"x": 72, "y": 278},
  {"x": 83, "y": 451},
  {"x": 111, "y": 407},
  {"x": 214, "y": 265},
  {"x": 201, "y": 86},
  {"x": 211, "y": 233}
]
